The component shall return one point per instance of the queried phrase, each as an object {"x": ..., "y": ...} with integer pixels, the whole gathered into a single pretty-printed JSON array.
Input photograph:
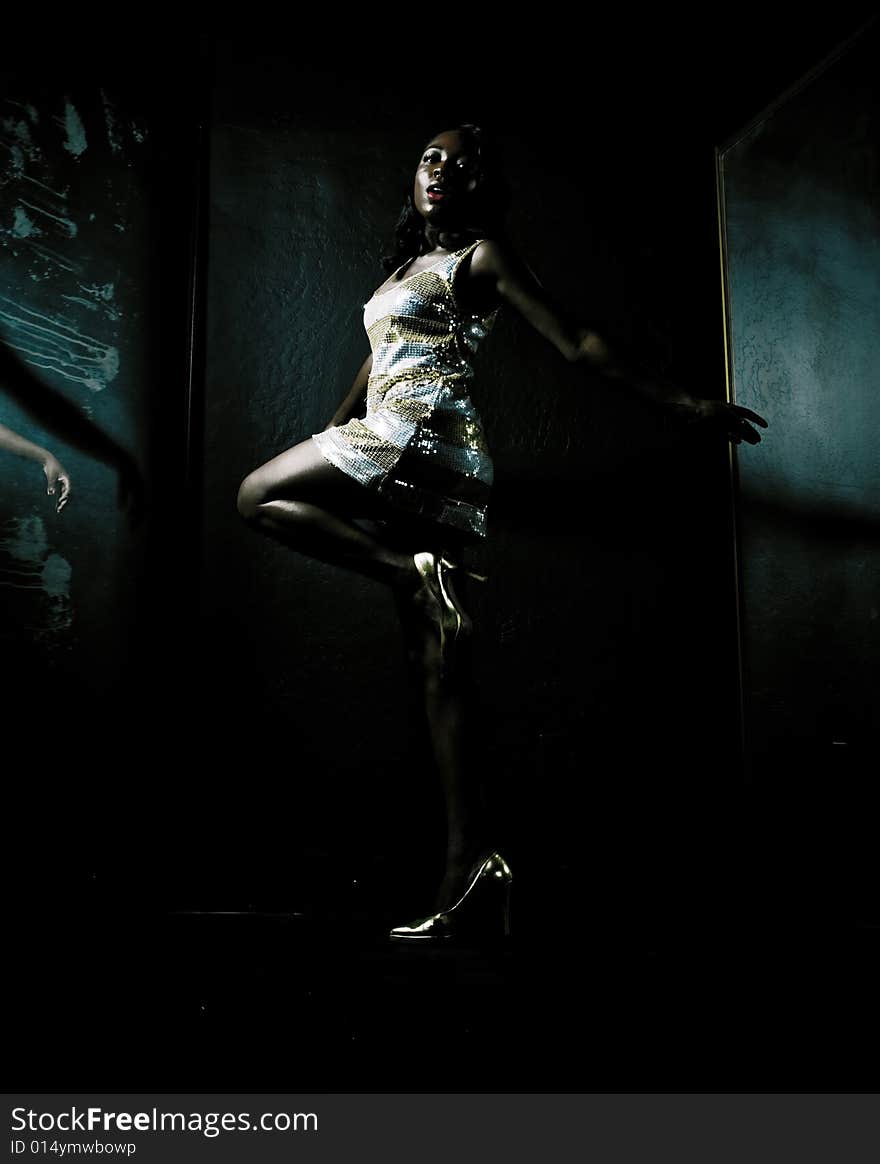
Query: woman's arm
[
  {"x": 16, "y": 443},
  {"x": 494, "y": 265},
  {"x": 352, "y": 403},
  {"x": 56, "y": 476}
]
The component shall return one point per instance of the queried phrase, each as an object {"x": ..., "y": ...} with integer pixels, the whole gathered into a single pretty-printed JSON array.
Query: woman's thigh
[{"x": 302, "y": 474}]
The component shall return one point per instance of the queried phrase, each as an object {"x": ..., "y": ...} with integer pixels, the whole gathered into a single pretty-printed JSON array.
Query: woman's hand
[
  {"x": 57, "y": 480},
  {"x": 731, "y": 420}
]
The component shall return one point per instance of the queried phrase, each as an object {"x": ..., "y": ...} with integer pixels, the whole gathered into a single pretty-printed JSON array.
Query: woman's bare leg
[
  {"x": 445, "y": 707},
  {"x": 303, "y": 501},
  {"x": 306, "y": 503}
]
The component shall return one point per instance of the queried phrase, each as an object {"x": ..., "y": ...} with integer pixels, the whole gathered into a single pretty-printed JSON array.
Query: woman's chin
[{"x": 444, "y": 218}]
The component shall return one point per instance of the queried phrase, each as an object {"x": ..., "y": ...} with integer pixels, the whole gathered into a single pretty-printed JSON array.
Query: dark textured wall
[{"x": 803, "y": 236}]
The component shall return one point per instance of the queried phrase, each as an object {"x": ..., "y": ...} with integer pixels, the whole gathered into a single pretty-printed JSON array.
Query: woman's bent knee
[{"x": 250, "y": 496}]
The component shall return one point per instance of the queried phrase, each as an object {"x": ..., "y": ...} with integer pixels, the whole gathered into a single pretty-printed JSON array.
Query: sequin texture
[{"x": 421, "y": 444}]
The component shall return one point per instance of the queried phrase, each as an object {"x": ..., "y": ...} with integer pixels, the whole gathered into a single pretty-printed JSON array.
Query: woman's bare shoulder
[
  {"x": 496, "y": 261},
  {"x": 495, "y": 258},
  {"x": 491, "y": 251}
]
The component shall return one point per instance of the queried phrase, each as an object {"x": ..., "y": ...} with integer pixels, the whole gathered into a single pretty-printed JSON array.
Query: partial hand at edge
[
  {"x": 733, "y": 421},
  {"x": 57, "y": 480}
]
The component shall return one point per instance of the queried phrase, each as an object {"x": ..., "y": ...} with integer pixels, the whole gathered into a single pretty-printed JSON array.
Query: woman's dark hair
[{"x": 486, "y": 207}]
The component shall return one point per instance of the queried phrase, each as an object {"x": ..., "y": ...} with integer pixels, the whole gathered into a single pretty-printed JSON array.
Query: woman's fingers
[
  {"x": 738, "y": 427},
  {"x": 745, "y": 432},
  {"x": 747, "y": 414},
  {"x": 731, "y": 420},
  {"x": 59, "y": 483},
  {"x": 64, "y": 481}
]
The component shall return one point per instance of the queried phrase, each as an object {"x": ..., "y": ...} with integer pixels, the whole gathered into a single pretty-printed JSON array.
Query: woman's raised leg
[
  {"x": 304, "y": 502},
  {"x": 301, "y": 500}
]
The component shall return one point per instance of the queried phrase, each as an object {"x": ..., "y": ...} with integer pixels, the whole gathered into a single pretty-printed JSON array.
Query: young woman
[{"x": 416, "y": 463}]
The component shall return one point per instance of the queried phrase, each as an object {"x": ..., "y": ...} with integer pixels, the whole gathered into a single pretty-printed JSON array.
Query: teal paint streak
[
  {"x": 48, "y": 189},
  {"x": 82, "y": 302},
  {"x": 22, "y": 226},
  {"x": 15, "y": 166},
  {"x": 102, "y": 300},
  {"x": 26, "y": 106},
  {"x": 18, "y": 139},
  {"x": 114, "y": 137},
  {"x": 54, "y": 258},
  {"x": 75, "y": 140},
  {"x": 56, "y": 346},
  {"x": 69, "y": 225}
]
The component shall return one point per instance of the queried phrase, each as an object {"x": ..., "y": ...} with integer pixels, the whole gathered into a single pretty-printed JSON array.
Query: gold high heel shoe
[
  {"x": 452, "y": 619},
  {"x": 482, "y": 910}
]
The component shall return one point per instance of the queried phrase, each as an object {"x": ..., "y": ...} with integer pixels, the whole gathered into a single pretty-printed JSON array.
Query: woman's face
[{"x": 447, "y": 175}]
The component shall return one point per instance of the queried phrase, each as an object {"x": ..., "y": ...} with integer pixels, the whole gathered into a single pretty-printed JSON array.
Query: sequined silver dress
[{"x": 421, "y": 444}]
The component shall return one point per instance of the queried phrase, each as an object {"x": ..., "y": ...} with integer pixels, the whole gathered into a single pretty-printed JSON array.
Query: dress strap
[
  {"x": 463, "y": 255},
  {"x": 453, "y": 269}
]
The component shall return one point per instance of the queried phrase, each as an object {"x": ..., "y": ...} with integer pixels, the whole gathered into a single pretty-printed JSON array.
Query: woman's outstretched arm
[
  {"x": 56, "y": 474},
  {"x": 353, "y": 401},
  {"x": 498, "y": 266}
]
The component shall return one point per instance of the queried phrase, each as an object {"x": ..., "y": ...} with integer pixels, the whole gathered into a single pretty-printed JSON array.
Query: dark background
[{"x": 253, "y": 749}]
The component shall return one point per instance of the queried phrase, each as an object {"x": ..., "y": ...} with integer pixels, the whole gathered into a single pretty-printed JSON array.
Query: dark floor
[
  {"x": 587, "y": 996},
  {"x": 724, "y": 938}
]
